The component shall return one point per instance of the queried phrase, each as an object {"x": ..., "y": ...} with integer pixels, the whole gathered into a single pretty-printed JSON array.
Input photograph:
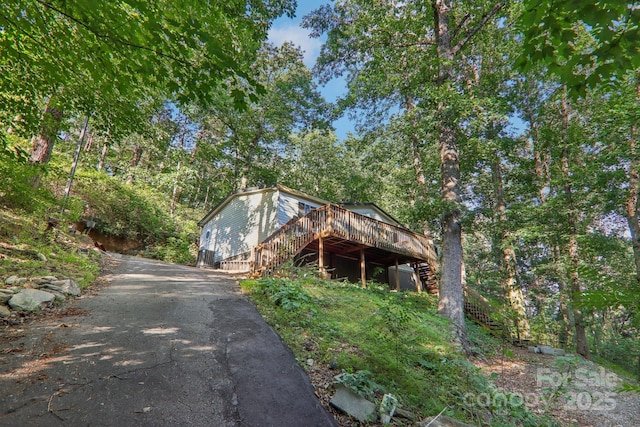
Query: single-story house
[{"x": 259, "y": 229}]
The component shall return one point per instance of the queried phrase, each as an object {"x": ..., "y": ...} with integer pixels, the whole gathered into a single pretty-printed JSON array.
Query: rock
[
  {"x": 41, "y": 257},
  {"x": 388, "y": 407},
  {"x": 546, "y": 349},
  {"x": 29, "y": 300},
  {"x": 5, "y": 295},
  {"x": 310, "y": 362},
  {"x": 405, "y": 414},
  {"x": 354, "y": 405},
  {"x": 68, "y": 286},
  {"x": 49, "y": 278},
  {"x": 42, "y": 280},
  {"x": 4, "y": 311},
  {"x": 534, "y": 349},
  {"x": 15, "y": 280},
  {"x": 59, "y": 296},
  {"x": 49, "y": 287},
  {"x": 443, "y": 421}
]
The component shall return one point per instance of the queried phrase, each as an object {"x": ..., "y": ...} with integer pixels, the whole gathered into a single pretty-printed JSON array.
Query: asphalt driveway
[{"x": 162, "y": 345}]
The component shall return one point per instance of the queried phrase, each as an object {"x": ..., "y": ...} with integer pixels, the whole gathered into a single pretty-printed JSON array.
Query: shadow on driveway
[{"x": 162, "y": 345}]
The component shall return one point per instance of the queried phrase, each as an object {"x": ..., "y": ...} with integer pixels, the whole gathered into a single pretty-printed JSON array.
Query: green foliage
[
  {"x": 29, "y": 250},
  {"x": 380, "y": 342},
  {"x": 584, "y": 43},
  {"x": 360, "y": 382},
  {"x": 17, "y": 186},
  {"x": 134, "y": 212},
  {"x": 176, "y": 249},
  {"x": 289, "y": 295},
  {"x": 108, "y": 57},
  {"x": 629, "y": 388}
]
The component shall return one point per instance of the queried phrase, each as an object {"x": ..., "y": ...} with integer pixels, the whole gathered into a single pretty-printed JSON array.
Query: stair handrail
[
  {"x": 334, "y": 220},
  {"x": 285, "y": 242}
]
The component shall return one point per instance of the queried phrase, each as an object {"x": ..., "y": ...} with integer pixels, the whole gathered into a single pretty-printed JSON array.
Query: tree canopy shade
[
  {"x": 583, "y": 43},
  {"x": 80, "y": 50}
]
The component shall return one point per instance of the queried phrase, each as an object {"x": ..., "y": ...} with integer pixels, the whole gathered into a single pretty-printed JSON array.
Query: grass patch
[{"x": 387, "y": 342}]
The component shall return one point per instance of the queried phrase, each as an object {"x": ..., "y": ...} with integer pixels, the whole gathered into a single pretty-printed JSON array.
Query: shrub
[
  {"x": 176, "y": 249},
  {"x": 284, "y": 293}
]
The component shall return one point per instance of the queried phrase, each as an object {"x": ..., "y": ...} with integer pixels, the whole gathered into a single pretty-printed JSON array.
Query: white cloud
[{"x": 300, "y": 37}]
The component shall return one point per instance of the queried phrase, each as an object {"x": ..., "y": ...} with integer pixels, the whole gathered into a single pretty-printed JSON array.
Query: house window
[{"x": 304, "y": 208}]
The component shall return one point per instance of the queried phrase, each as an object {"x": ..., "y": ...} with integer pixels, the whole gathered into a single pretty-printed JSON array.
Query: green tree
[
  {"x": 255, "y": 138},
  {"x": 553, "y": 33},
  {"x": 63, "y": 56},
  {"x": 393, "y": 52}
]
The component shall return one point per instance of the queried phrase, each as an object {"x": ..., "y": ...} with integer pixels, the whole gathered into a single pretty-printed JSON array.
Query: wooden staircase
[
  {"x": 479, "y": 316},
  {"x": 479, "y": 309},
  {"x": 427, "y": 276},
  {"x": 476, "y": 307}
]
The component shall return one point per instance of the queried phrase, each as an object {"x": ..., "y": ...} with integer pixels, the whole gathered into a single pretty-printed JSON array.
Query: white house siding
[
  {"x": 241, "y": 224},
  {"x": 288, "y": 206}
]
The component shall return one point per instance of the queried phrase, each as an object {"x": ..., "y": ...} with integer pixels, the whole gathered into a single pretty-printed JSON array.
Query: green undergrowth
[
  {"x": 136, "y": 216},
  {"x": 29, "y": 249},
  {"x": 377, "y": 342}
]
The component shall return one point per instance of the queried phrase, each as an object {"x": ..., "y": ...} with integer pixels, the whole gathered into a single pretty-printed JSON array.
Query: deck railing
[{"x": 333, "y": 220}]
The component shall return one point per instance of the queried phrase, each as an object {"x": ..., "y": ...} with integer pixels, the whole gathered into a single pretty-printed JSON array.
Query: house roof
[
  {"x": 296, "y": 193},
  {"x": 375, "y": 207},
  {"x": 254, "y": 190}
]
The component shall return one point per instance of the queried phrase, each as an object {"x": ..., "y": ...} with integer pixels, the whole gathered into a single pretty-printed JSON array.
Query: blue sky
[{"x": 286, "y": 29}]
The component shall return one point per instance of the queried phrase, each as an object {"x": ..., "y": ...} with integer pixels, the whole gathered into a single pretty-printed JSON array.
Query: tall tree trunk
[
  {"x": 542, "y": 157},
  {"x": 43, "y": 142},
  {"x": 582, "y": 346},
  {"x": 177, "y": 190},
  {"x": 564, "y": 315},
  {"x": 246, "y": 167},
  {"x": 103, "y": 154},
  {"x": 451, "y": 300},
  {"x": 135, "y": 161},
  {"x": 510, "y": 279},
  {"x": 206, "y": 198},
  {"x": 633, "y": 199},
  {"x": 421, "y": 180},
  {"x": 76, "y": 159},
  {"x": 89, "y": 144}
]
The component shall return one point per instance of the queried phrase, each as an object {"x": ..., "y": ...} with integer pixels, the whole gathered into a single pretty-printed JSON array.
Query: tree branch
[
  {"x": 460, "y": 25},
  {"x": 110, "y": 37},
  {"x": 485, "y": 18}
]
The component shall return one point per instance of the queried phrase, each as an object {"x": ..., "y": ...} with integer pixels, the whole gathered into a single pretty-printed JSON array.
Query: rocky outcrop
[{"x": 32, "y": 295}]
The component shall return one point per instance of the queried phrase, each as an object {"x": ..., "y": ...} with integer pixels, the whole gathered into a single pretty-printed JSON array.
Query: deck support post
[
  {"x": 397, "y": 277},
  {"x": 321, "y": 257},
  {"x": 363, "y": 269},
  {"x": 416, "y": 274}
]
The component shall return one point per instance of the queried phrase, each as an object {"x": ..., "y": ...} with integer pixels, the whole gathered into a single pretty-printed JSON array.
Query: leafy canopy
[
  {"x": 124, "y": 48},
  {"x": 583, "y": 43}
]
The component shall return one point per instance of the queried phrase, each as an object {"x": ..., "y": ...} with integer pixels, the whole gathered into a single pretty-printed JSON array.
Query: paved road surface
[{"x": 162, "y": 345}]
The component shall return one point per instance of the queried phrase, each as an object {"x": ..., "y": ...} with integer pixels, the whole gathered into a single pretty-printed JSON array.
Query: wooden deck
[{"x": 332, "y": 229}]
